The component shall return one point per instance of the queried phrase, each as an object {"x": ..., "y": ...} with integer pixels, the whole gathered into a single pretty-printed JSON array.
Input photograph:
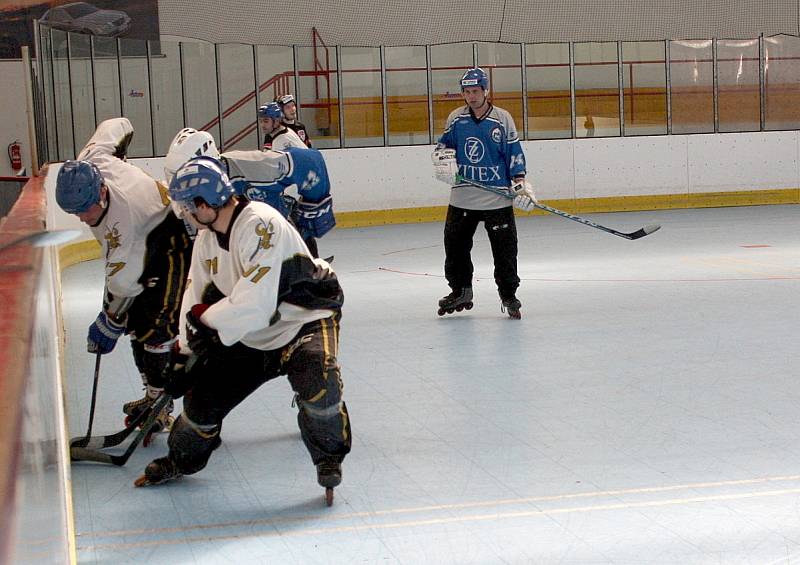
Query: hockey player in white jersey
[
  {"x": 277, "y": 136},
  {"x": 289, "y": 108},
  {"x": 145, "y": 248},
  {"x": 264, "y": 176},
  {"x": 480, "y": 144},
  {"x": 257, "y": 303}
]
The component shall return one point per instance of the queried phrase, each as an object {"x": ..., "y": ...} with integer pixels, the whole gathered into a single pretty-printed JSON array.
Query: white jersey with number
[
  {"x": 136, "y": 205},
  {"x": 245, "y": 266}
]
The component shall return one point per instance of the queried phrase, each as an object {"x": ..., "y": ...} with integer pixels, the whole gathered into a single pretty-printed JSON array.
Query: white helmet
[{"x": 188, "y": 144}]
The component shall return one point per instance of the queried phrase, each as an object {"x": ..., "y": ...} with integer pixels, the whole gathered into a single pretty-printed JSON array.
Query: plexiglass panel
[
  {"x": 644, "y": 80},
  {"x": 82, "y": 86},
  {"x": 407, "y": 95},
  {"x": 275, "y": 66},
  {"x": 200, "y": 87},
  {"x": 503, "y": 64},
  {"x": 596, "y": 90},
  {"x": 547, "y": 77},
  {"x": 237, "y": 94},
  {"x": 782, "y": 82},
  {"x": 106, "y": 79},
  {"x": 362, "y": 95},
  {"x": 49, "y": 95},
  {"x": 691, "y": 72},
  {"x": 167, "y": 92},
  {"x": 63, "y": 100},
  {"x": 448, "y": 63},
  {"x": 738, "y": 89},
  {"x": 135, "y": 85},
  {"x": 318, "y": 91}
]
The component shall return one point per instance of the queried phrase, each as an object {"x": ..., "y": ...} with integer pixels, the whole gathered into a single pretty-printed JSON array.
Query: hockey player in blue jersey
[
  {"x": 480, "y": 144},
  {"x": 264, "y": 176}
]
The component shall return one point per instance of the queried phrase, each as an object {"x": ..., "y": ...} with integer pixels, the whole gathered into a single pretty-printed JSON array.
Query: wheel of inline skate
[
  {"x": 128, "y": 420},
  {"x": 329, "y": 497},
  {"x": 468, "y": 306},
  {"x": 441, "y": 311},
  {"x": 459, "y": 308}
]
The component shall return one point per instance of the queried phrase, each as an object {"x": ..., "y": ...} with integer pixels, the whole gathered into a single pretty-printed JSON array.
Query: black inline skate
[
  {"x": 512, "y": 307},
  {"x": 158, "y": 471},
  {"x": 456, "y": 301},
  {"x": 329, "y": 475}
]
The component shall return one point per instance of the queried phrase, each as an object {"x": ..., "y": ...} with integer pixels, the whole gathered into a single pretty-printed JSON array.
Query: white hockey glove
[
  {"x": 445, "y": 168},
  {"x": 525, "y": 199}
]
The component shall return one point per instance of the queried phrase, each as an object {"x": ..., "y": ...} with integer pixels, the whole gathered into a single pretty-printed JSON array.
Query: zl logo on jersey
[{"x": 474, "y": 150}]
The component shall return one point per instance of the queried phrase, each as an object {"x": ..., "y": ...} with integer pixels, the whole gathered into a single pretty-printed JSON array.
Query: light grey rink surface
[{"x": 645, "y": 410}]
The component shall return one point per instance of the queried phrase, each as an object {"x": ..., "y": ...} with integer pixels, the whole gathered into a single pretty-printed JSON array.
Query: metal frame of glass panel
[{"x": 55, "y": 135}]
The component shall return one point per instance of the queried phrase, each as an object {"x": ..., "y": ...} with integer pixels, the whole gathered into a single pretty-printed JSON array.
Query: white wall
[
  {"x": 13, "y": 114},
  {"x": 401, "y": 177}
]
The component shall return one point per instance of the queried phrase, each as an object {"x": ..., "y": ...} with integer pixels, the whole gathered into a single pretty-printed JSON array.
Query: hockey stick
[
  {"x": 43, "y": 238},
  {"x": 506, "y": 192},
  {"x": 78, "y": 442},
  {"x": 102, "y": 442},
  {"x": 83, "y": 454}
]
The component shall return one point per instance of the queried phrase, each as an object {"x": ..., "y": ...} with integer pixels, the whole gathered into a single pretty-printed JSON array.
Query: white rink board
[{"x": 386, "y": 178}]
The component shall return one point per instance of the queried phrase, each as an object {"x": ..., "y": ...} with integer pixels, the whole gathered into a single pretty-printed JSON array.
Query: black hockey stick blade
[
  {"x": 102, "y": 442},
  {"x": 83, "y": 454},
  {"x": 647, "y": 230}
]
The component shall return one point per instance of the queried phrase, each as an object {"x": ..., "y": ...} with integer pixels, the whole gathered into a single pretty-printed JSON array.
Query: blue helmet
[
  {"x": 271, "y": 110},
  {"x": 78, "y": 186},
  {"x": 204, "y": 178},
  {"x": 475, "y": 77}
]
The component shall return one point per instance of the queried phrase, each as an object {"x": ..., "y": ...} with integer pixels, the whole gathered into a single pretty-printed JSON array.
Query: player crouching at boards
[{"x": 256, "y": 302}]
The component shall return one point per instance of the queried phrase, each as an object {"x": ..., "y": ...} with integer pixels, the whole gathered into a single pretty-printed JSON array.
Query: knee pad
[
  {"x": 327, "y": 402},
  {"x": 191, "y": 444}
]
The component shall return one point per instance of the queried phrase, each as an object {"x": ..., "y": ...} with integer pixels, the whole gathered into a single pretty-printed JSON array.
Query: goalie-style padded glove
[
  {"x": 525, "y": 199},
  {"x": 103, "y": 334},
  {"x": 202, "y": 339},
  {"x": 445, "y": 168}
]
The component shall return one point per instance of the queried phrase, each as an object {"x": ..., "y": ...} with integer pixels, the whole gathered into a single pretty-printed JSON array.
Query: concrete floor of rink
[{"x": 646, "y": 409}]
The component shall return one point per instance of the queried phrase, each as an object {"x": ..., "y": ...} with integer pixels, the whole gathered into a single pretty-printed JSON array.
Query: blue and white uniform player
[
  {"x": 480, "y": 144},
  {"x": 264, "y": 176}
]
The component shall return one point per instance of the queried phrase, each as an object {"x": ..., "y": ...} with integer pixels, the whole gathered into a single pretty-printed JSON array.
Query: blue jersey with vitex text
[{"x": 488, "y": 152}]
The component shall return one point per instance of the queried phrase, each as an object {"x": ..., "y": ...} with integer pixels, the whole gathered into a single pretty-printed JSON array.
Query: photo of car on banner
[{"x": 100, "y": 18}]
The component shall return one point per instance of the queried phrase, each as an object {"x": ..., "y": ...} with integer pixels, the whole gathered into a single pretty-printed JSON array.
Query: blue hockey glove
[
  {"x": 202, "y": 339},
  {"x": 103, "y": 334}
]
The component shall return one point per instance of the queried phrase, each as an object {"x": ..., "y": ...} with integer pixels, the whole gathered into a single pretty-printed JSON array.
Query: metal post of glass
[
  {"x": 150, "y": 98},
  {"x": 715, "y": 77},
  {"x": 219, "y": 99},
  {"x": 523, "y": 78},
  {"x": 429, "y": 78},
  {"x": 183, "y": 81},
  {"x": 572, "y": 102},
  {"x": 384, "y": 101},
  {"x": 621, "y": 89},
  {"x": 762, "y": 84},
  {"x": 69, "y": 86},
  {"x": 668, "y": 86},
  {"x": 339, "y": 96}
]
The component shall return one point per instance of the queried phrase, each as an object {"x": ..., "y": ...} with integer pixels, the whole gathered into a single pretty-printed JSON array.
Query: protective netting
[{"x": 420, "y": 22}]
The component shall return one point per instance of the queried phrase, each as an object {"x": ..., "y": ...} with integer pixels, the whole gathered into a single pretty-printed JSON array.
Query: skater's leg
[
  {"x": 196, "y": 432},
  {"x": 314, "y": 374},
  {"x": 502, "y": 230},
  {"x": 151, "y": 361},
  {"x": 459, "y": 229}
]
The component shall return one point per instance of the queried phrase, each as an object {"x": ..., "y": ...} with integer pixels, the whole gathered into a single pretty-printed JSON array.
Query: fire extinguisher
[{"x": 15, "y": 154}]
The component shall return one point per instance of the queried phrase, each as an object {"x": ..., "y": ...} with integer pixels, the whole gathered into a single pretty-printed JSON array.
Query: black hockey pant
[
  {"x": 459, "y": 229},
  {"x": 222, "y": 382},
  {"x": 153, "y": 316}
]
